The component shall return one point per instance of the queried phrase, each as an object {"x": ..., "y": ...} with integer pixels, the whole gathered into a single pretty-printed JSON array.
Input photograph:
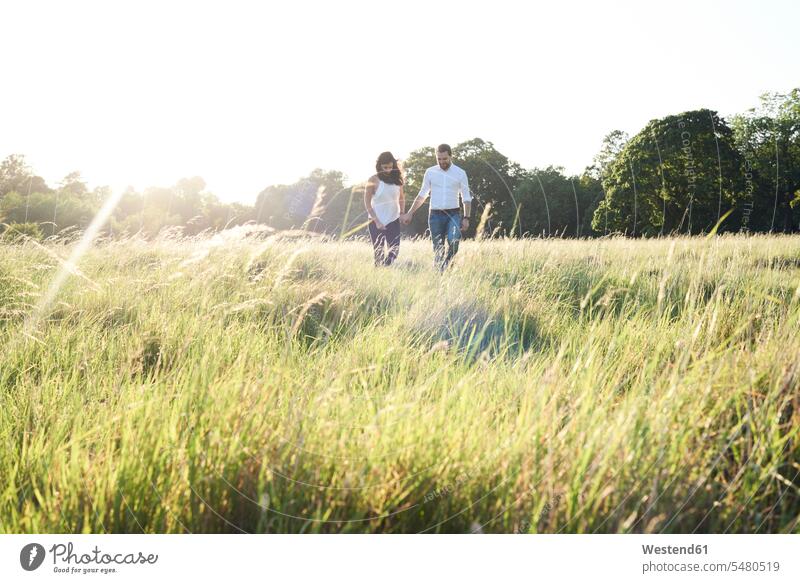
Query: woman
[{"x": 385, "y": 202}]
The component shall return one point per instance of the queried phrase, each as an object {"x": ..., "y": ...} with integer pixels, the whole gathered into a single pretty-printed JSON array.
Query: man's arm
[
  {"x": 426, "y": 186},
  {"x": 466, "y": 198},
  {"x": 420, "y": 200}
]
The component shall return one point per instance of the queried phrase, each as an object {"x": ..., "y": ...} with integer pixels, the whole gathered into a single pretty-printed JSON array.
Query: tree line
[{"x": 690, "y": 173}]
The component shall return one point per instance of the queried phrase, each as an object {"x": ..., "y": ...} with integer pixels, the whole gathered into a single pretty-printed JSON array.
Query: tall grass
[{"x": 287, "y": 385}]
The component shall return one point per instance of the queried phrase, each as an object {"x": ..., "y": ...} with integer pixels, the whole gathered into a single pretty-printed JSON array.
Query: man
[{"x": 444, "y": 183}]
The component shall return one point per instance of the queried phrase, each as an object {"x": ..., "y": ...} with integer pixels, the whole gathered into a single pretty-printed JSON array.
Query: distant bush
[{"x": 17, "y": 232}]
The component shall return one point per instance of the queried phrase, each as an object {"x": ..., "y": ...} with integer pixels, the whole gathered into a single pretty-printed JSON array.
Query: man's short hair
[{"x": 444, "y": 148}]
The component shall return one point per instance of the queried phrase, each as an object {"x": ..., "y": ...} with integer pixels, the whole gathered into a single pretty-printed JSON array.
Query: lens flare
[{"x": 69, "y": 267}]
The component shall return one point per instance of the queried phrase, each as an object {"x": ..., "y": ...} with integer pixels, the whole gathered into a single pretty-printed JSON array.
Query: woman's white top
[{"x": 386, "y": 202}]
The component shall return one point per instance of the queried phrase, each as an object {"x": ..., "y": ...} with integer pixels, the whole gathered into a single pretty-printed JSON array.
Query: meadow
[{"x": 284, "y": 384}]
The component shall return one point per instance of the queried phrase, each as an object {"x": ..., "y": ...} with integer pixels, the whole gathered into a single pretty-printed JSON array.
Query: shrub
[{"x": 18, "y": 232}]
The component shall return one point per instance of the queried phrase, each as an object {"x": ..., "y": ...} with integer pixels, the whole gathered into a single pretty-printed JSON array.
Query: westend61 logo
[{"x": 66, "y": 560}]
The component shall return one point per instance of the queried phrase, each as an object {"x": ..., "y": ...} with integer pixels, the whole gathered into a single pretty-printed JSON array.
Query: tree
[
  {"x": 73, "y": 184},
  {"x": 589, "y": 195},
  {"x": 681, "y": 173},
  {"x": 612, "y": 146},
  {"x": 54, "y": 211},
  {"x": 16, "y": 232},
  {"x": 99, "y": 195},
  {"x": 768, "y": 136},
  {"x": 592, "y": 181},
  {"x": 552, "y": 203},
  {"x": 16, "y": 176},
  {"x": 301, "y": 204},
  {"x": 493, "y": 179},
  {"x": 189, "y": 198}
]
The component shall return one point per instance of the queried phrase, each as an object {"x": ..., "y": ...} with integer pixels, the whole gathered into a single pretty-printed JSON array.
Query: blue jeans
[
  {"x": 444, "y": 225},
  {"x": 390, "y": 237}
]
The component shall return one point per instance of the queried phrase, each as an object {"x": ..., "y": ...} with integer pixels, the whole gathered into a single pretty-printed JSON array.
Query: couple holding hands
[{"x": 384, "y": 200}]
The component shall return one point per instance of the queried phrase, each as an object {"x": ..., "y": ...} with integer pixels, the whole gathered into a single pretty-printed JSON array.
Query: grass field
[{"x": 287, "y": 385}]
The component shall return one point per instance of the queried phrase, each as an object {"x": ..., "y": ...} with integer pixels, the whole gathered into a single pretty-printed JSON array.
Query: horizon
[{"x": 159, "y": 93}]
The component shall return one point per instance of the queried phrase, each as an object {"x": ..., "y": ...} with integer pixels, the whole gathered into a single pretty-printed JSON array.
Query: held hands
[{"x": 405, "y": 218}]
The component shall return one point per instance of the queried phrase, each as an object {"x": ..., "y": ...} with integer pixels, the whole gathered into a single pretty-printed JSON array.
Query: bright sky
[{"x": 249, "y": 94}]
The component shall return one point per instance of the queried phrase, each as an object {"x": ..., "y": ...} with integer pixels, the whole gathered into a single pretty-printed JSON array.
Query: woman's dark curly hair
[{"x": 394, "y": 176}]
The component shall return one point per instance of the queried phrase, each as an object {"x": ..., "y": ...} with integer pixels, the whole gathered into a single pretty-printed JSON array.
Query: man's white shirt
[{"x": 444, "y": 186}]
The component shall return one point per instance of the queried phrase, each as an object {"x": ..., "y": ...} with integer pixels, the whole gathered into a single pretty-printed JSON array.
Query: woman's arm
[{"x": 402, "y": 200}]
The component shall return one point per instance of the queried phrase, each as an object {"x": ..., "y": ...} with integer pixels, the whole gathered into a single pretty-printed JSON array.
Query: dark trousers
[
  {"x": 445, "y": 225},
  {"x": 390, "y": 236}
]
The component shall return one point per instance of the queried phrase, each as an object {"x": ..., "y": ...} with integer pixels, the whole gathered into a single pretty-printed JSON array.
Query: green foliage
[
  {"x": 680, "y": 174},
  {"x": 16, "y": 176},
  {"x": 493, "y": 179},
  {"x": 16, "y": 232},
  {"x": 54, "y": 210},
  {"x": 314, "y": 202},
  {"x": 610, "y": 149},
  {"x": 186, "y": 206},
  {"x": 768, "y": 137},
  {"x": 552, "y": 204}
]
